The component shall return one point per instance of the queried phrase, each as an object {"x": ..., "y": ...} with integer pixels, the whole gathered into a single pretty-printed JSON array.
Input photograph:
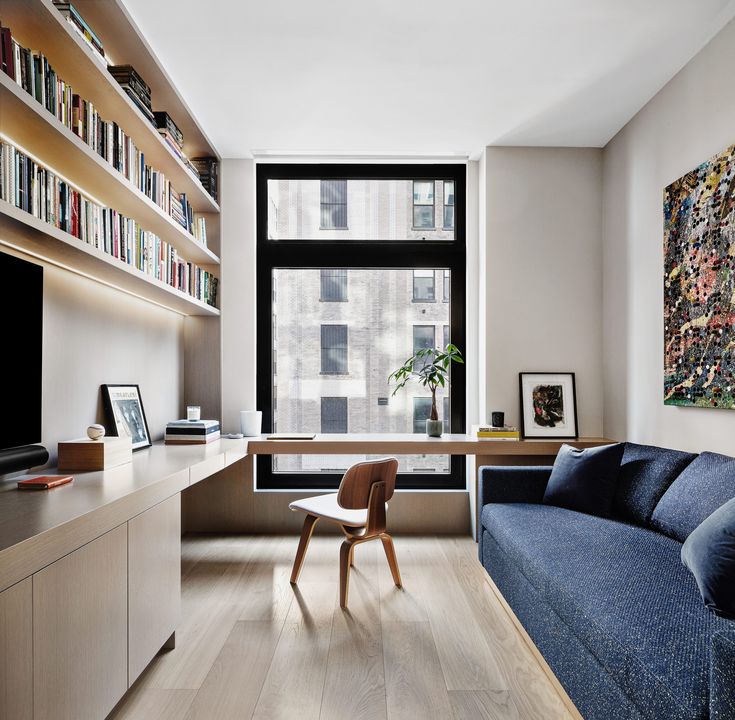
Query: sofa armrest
[
  {"x": 513, "y": 484},
  {"x": 722, "y": 675}
]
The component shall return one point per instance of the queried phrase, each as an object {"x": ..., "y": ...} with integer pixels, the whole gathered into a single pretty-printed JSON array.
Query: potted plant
[{"x": 430, "y": 368}]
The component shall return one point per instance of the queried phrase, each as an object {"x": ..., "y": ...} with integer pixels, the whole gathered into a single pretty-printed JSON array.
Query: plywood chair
[{"x": 359, "y": 509}]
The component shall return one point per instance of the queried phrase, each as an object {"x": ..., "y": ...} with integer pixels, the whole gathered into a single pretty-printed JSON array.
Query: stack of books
[
  {"x": 78, "y": 23},
  {"x": 135, "y": 87},
  {"x": 208, "y": 169},
  {"x": 192, "y": 432},
  {"x": 488, "y": 432}
]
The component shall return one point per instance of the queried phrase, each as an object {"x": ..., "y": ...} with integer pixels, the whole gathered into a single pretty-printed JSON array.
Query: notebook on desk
[{"x": 291, "y": 436}]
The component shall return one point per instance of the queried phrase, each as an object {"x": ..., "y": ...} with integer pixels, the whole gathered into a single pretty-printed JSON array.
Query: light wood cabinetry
[
  {"x": 16, "y": 652},
  {"x": 80, "y": 667},
  {"x": 154, "y": 582}
]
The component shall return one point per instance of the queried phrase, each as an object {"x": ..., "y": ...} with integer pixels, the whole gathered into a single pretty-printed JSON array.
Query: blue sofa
[{"x": 607, "y": 601}]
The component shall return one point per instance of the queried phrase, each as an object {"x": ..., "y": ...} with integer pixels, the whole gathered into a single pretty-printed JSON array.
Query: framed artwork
[
  {"x": 124, "y": 414},
  {"x": 699, "y": 286},
  {"x": 548, "y": 405}
]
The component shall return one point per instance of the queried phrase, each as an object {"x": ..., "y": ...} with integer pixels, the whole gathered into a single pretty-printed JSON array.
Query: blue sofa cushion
[
  {"x": 709, "y": 552},
  {"x": 645, "y": 474},
  {"x": 707, "y": 483},
  {"x": 585, "y": 480},
  {"x": 623, "y": 592}
]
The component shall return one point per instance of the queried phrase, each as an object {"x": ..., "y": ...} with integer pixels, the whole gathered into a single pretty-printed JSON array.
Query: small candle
[{"x": 193, "y": 413}]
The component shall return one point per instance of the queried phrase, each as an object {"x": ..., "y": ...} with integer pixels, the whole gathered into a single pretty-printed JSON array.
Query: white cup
[{"x": 250, "y": 422}]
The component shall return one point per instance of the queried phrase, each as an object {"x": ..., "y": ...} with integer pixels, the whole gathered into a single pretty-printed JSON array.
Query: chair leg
[
  {"x": 390, "y": 553},
  {"x": 306, "y": 531},
  {"x": 345, "y": 556}
]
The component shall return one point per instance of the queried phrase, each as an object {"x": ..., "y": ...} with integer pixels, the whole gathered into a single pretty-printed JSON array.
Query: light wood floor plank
[
  {"x": 143, "y": 703},
  {"x": 527, "y": 683},
  {"x": 354, "y": 686},
  {"x": 414, "y": 682},
  {"x": 232, "y": 687},
  {"x": 251, "y": 646},
  {"x": 481, "y": 705},
  {"x": 295, "y": 681}
]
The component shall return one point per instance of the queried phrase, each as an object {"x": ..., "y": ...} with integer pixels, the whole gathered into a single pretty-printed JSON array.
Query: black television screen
[{"x": 21, "y": 320}]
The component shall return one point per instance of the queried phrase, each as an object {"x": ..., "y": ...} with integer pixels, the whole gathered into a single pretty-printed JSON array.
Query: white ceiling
[{"x": 420, "y": 76}]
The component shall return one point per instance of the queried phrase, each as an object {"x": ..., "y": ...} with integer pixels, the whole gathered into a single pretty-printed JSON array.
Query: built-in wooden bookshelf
[{"x": 28, "y": 125}]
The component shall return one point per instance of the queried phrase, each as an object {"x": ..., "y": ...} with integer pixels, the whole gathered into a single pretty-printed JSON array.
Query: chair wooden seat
[{"x": 359, "y": 508}]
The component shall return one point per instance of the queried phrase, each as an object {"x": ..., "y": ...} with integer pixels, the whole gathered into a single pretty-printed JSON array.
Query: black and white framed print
[
  {"x": 548, "y": 405},
  {"x": 124, "y": 414}
]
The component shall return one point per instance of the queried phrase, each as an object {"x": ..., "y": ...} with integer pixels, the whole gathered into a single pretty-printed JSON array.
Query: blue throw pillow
[
  {"x": 585, "y": 480},
  {"x": 709, "y": 553}
]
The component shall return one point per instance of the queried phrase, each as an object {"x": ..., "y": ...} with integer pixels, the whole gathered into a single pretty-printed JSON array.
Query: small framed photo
[
  {"x": 548, "y": 405},
  {"x": 124, "y": 414}
]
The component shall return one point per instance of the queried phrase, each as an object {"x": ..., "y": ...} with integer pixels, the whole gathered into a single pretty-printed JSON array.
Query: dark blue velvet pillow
[
  {"x": 585, "y": 480},
  {"x": 645, "y": 474},
  {"x": 705, "y": 484},
  {"x": 709, "y": 552}
]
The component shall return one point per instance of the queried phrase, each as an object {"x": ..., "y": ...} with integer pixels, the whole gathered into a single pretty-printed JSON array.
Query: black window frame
[
  {"x": 446, "y": 205},
  {"x": 331, "y": 204},
  {"x": 450, "y": 253}
]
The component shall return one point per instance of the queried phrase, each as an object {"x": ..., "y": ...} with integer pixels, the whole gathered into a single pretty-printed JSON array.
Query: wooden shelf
[
  {"x": 27, "y": 123},
  {"x": 27, "y": 234},
  {"x": 37, "y": 23}
]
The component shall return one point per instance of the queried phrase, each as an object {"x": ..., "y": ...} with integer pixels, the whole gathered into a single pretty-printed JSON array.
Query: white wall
[
  {"x": 92, "y": 335},
  {"x": 543, "y": 276},
  {"x": 691, "y": 119}
]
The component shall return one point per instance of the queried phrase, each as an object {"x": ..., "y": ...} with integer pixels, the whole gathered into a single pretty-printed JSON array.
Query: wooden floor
[{"x": 251, "y": 646}]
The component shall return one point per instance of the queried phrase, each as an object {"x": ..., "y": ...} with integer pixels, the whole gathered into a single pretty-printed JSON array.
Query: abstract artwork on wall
[{"x": 699, "y": 286}]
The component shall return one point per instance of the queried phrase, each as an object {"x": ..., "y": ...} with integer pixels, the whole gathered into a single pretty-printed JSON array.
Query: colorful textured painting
[{"x": 699, "y": 286}]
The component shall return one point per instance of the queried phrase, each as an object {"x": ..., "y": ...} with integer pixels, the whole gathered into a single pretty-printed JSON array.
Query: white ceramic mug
[{"x": 250, "y": 422}]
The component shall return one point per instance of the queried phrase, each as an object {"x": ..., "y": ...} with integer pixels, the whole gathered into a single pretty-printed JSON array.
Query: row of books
[
  {"x": 34, "y": 74},
  {"x": 82, "y": 28},
  {"x": 135, "y": 88},
  {"x": 192, "y": 432},
  {"x": 208, "y": 170},
  {"x": 40, "y": 192}
]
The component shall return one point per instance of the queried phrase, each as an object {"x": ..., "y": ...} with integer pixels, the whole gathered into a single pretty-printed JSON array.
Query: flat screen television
[{"x": 21, "y": 320}]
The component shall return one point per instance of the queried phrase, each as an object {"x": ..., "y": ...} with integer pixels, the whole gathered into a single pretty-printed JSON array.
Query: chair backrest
[{"x": 354, "y": 490}]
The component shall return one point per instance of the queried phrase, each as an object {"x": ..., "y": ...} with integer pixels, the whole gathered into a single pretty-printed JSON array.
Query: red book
[{"x": 44, "y": 482}]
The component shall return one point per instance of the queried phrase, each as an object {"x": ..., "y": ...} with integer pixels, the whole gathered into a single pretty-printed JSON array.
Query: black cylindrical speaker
[{"x": 22, "y": 458}]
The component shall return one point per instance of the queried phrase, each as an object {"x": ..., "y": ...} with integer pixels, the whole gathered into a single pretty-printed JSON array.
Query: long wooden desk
[{"x": 479, "y": 452}]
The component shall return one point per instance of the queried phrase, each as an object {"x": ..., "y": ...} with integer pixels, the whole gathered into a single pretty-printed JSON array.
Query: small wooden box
[{"x": 86, "y": 454}]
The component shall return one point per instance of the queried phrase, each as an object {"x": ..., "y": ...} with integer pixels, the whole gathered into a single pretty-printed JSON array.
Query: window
[
  {"x": 423, "y": 204},
  {"x": 333, "y": 356},
  {"x": 445, "y": 336},
  {"x": 448, "y": 205},
  {"x": 333, "y": 285},
  {"x": 445, "y": 413},
  {"x": 447, "y": 287},
  {"x": 421, "y": 413},
  {"x": 334, "y": 415},
  {"x": 334, "y": 349},
  {"x": 423, "y": 286},
  {"x": 333, "y": 204}
]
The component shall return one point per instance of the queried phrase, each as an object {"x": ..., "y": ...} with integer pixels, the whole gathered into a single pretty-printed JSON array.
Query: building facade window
[
  {"x": 423, "y": 286},
  {"x": 445, "y": 336},
  {"x": 421, "y": 413},
  {"x": 334, "y": 349},
  {"x": 445, "y": 414},
  {"x": 378, "y": 283},
  {"x": 334, "y": 415},
  {"x": 333, "y": 204},
  {"x": 333, "y": 285},
  {"x": 423, "y": 204},
  {"x": 448, "y": 205}
]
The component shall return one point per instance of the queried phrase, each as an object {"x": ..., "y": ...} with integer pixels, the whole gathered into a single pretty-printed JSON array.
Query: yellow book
[{"x": 500, "y": 435}]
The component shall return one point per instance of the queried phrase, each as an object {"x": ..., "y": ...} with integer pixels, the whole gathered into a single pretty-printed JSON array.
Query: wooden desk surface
[
  {"x": 38, "y": 527},
  {"x": 410, "y": 444}
]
